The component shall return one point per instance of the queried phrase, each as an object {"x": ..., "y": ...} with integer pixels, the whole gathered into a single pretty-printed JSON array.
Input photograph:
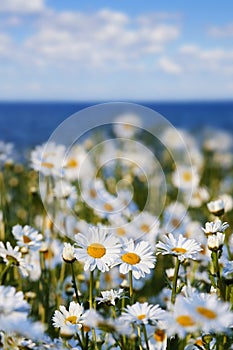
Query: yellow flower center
[
  {"x": 96, "y": 250},
  {"x": 145, "y": 228},
  {"x": 26, "y": 239},
  {"x": 175, "y": 223},
  {"x": 121, "y": 231},
  {"x": 108, "y": 207},
  {"x": 206, "y": 312},
  {"x": 141, "y": 317},
  {"x": 185, "y": 320},
  {"x": 187, "y": 176},
  {"x": 47, "y": 165},
  {"x": 159, "y": 335},
  {"x": 93, "y": 193},
  {"x": 179, "y": 250},
  {"x": 71, "y": 319},
  {"x": 86, "y": 328},
  {"x": 72, "y": 163},
  {"x": 131, "y": 258}
]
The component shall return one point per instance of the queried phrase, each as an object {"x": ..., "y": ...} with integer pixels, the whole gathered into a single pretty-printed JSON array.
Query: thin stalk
[
  {"x": 175, "y": 278},
  {"x": 145, "y": 336},
  {"x": 214, "y": 256},
  {"x": 139, "y": 337},
  {"x": 3, "y": 274},
  {"x": 91, "y": 284},
  {"x": 74, "y": 283},
  {"x": 131, "y": 286}
]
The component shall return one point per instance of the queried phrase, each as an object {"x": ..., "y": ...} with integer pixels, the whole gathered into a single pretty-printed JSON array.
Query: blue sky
[{"x": 116, "y": 50}]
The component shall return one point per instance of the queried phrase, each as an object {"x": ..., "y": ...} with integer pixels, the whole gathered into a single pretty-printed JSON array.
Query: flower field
[{"x": 123, "y": 240}]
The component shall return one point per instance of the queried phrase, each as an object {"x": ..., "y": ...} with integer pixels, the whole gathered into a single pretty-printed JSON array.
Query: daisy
[
  {"x": 6, "y": 150},
  {"x": 68, "y": 253},
  {"x": 146, "y": 227},
  {"x": 216, "y": 207},
  {"x": 211, "y": 314},
  {"x": 158, "y": 340},
  {"x": 175, "y": 218},
  {"x": 180, "y": 247},
  {"x": 185, "y": 178},
  {"x": 12, "y": 301},
  {"x": 126, "y": 125},
  {"x": 97, "y": 249},
  {"x": 216, "y": 241},
  {"x": 136, "y": 257},
  {"x": 110, "y": 296},
  {"x": 69, "y": 321},
  {"x": 13, "y": 256},
  {"x": 143, "y": 313},
  {"x": 214, "y": 227},
  {"x": 47, "y": 158},
  {"x": 73, "y": 161},
  {"x": 27, "y": 237},
  {"x": 180, "y": 320}
]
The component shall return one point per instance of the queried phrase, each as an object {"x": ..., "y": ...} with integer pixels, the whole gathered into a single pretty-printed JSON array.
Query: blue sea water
[{"x": 27, "y": 124}]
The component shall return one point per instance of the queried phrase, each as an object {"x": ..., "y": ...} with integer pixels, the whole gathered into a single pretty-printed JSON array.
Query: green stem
[
  {"x": 131, "y": 286},
  {"x": 91, "y": 284},
  {"x": 175, "y": 278},
  {"x": 3, "y": 274},
  {"x": 145, "y": 336},
  {"x": 74, "y": 283},
  {"x": 214, "y": 256},
  {"x": 140, "y": 337}
]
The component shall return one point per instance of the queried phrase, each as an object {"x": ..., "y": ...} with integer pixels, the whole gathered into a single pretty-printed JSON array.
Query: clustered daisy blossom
[
  {"x": 180, "y": 247},
  {"x": 69, "y": 321},
  {"x": 97, "y": 249},
  {"x": 136, "y": 257}
]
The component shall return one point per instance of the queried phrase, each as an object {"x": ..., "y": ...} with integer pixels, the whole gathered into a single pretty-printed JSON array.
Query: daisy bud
[
  {"x": 216, "y": 207},
  {"x": 68, "y": 253},
  {"x": 216, "y": 241}
]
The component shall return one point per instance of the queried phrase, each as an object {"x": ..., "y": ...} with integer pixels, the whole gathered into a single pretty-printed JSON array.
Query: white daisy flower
[
  {"x": 6, "y": 151},
  {"x": 110, "y": 296},
  {"x": 47, "y": 158},
  {"x": 185, "y": 178},
  {"x": 158, "y": 340},
  {"x": 27, "y": 237},
  {"x": 97, "y": 249},
  {"x": 143, "y": 313},
  {"x": 179, "y": 246},
  {"x": 215, "y": 241},
  {"x": 216, "y": 207},
  {"x": 73, "y": 161},
  {"x": 69, "y": 321},
  {"x": 126, "y": 125},
  {"x": 136, "y": 257},
  {"x": 211, "y": 314},
  {"x": 12, "y": 301},
  {"x": 175, "y": 218},
  {"x": 180, "y": 320},
  {"x": 214, "y": 227},
  {"x": 13, "y": 256},
  {"x": 199, "y": 196},
  {"x": 68, "y": 253}
]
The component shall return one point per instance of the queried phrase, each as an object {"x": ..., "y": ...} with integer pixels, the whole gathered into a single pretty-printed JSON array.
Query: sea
[{"x": 27, "y": 124}]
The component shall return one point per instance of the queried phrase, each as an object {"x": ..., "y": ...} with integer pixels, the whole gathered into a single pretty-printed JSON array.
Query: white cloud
[
  {"x": 196, "y": 58},
  {"x": 221, "y": 32},
  {"x": 102, "y": 39},
  {"x": 21, "y": 6},
  {"x": 168, "y": 66},
  {"x": 5, "y": 46}
]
